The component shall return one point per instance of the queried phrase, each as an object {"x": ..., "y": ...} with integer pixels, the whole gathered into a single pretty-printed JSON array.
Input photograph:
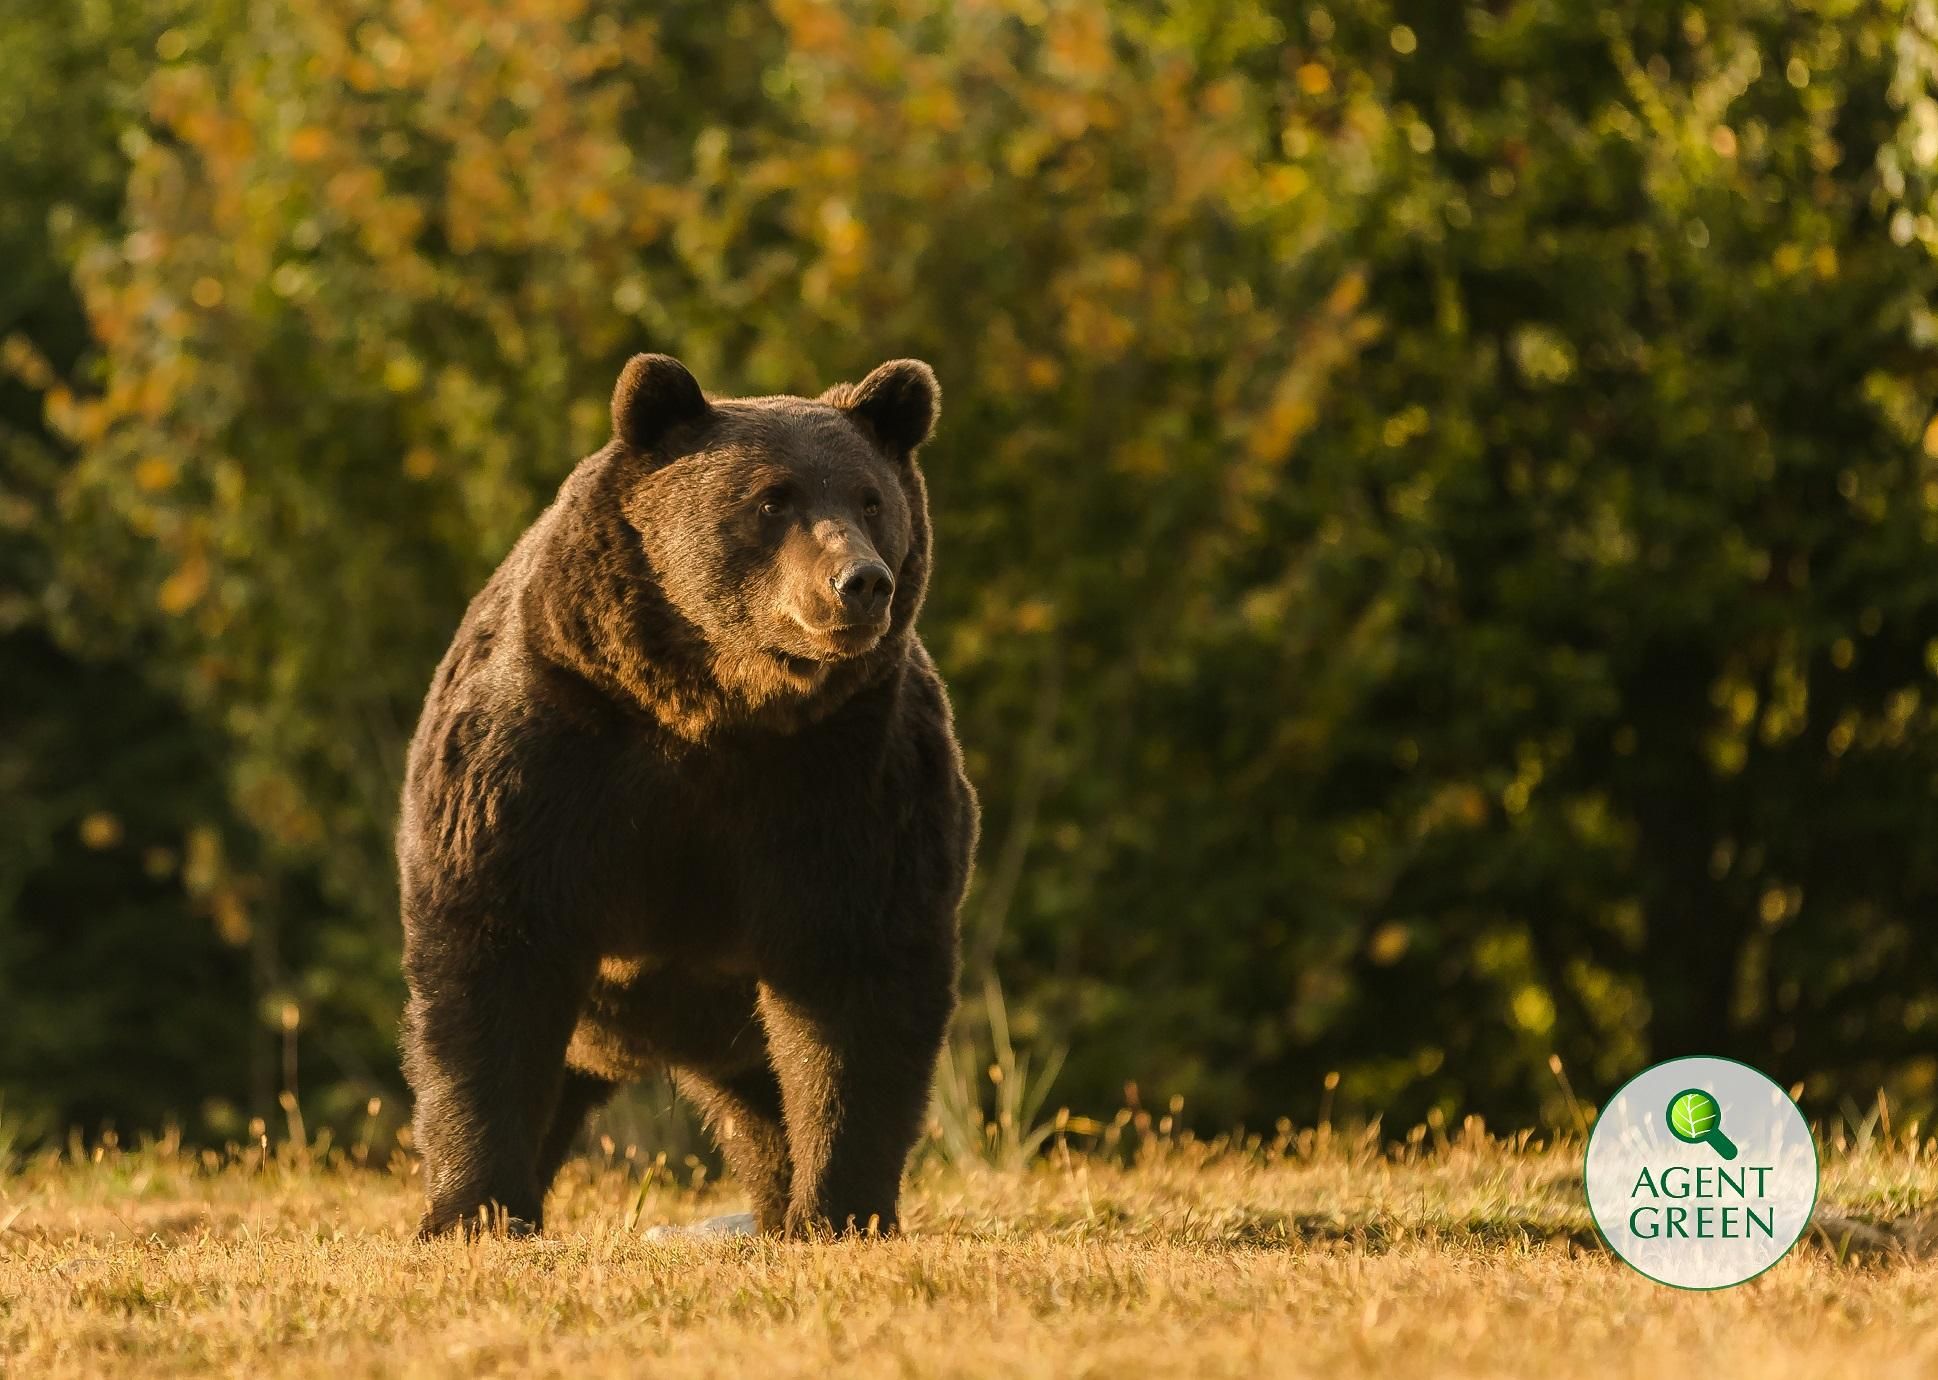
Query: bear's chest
[{"x": 714, "y": 852}]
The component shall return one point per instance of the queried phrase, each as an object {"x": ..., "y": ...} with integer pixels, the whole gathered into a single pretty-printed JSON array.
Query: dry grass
[{"x": 1314, "y": 1257}]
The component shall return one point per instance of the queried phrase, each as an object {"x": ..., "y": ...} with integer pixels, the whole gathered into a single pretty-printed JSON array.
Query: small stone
[{"x": 730, "y": 1224}]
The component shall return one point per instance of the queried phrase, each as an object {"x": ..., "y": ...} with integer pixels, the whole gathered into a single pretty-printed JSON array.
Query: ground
[{"x": 1315, "y": 1255}]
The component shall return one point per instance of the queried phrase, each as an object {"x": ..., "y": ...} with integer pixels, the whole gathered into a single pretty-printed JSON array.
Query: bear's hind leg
[
  {"x": 744, "y": 1112},
  {"x": 485, "y": 1039},
  {"x": 582, "y": 1094}
]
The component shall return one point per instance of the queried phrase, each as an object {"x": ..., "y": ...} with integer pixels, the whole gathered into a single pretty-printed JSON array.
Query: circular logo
[{"x": 1701, "y": 1173}]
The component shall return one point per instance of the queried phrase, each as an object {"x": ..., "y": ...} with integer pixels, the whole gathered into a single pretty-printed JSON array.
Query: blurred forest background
[{"x": 1438, "y": 505}]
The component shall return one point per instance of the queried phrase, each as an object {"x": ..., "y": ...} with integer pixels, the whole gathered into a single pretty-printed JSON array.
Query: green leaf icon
[{"x": 1696, "y": 1117}]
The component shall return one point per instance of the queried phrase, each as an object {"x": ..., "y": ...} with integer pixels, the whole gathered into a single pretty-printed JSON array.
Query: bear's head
[{"x": 791, "y": 534}]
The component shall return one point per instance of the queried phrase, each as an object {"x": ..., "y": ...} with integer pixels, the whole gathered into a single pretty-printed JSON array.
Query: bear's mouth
[
  {"x": 855, "y": 639},
  {"x": 809, "y": 669},
  {"x": 834, "y": 642}
]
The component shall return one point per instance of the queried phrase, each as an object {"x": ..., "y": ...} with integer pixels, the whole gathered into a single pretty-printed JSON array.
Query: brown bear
[{"x": 686, "y": 796}]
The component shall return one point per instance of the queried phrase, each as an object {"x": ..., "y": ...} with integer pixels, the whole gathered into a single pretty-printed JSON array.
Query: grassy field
[{"x": 1318, "y": 1255}]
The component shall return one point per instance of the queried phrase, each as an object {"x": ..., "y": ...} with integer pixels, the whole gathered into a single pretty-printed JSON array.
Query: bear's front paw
[{"x": 487, "y": 1220}]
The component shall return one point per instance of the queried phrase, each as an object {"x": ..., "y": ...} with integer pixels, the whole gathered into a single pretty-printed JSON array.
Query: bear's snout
[{"x": 864, "y": 588}]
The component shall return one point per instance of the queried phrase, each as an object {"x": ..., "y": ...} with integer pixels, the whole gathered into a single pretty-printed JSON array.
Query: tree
[
  {"x": 1435, "y": 507},
  {"x": 124, "y": 999}
]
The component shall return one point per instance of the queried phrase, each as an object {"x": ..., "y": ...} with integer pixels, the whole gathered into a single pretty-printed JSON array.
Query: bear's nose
[{"x": 865, "y": 588}]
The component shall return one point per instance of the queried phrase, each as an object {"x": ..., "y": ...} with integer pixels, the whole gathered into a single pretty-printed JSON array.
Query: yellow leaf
[
  {"x": 402, "y": 374},
  {"x": 1388, "y": 944},
  {"x": 184, "y": 589},
  {"x": 231, "y": 919},
  {"x": 100, "y": 830},
  {"x": 1043, "y": 372},
  {"x": 154, "y": 473},
  {"x": 309, "y": 144},
  {"x": 1034, "y": 615},
  {"x": 1347, "y": 294}
]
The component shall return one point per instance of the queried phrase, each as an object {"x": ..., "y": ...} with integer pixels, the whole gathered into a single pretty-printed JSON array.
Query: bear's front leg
[
  {"x": 856, "y": 1060},
  {"x": 485, "y": 1033}
]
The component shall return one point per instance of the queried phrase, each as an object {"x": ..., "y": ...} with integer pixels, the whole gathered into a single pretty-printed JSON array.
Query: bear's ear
[
  {"x": 898, "y": 402},
  {"x": 654, "y": 394}
]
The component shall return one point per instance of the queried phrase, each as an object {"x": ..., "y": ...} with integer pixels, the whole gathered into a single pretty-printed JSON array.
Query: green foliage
[
  {"x": 1436, "y": 510},
  {"x": 1657, "y": 564},
  {"x": 121, "y": 1000}
]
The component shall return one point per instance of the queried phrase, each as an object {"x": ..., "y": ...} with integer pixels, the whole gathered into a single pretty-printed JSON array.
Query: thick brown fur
[{"x": 686, "y": 796}]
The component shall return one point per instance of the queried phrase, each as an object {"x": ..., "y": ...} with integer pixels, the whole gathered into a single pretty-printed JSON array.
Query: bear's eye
[
  {"x": 773, "y": 503},
  {"x": 871, "y": 505}
]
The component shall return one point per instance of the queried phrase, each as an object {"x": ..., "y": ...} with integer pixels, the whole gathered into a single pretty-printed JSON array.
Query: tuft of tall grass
[{"x": 990, "y": 1098}]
